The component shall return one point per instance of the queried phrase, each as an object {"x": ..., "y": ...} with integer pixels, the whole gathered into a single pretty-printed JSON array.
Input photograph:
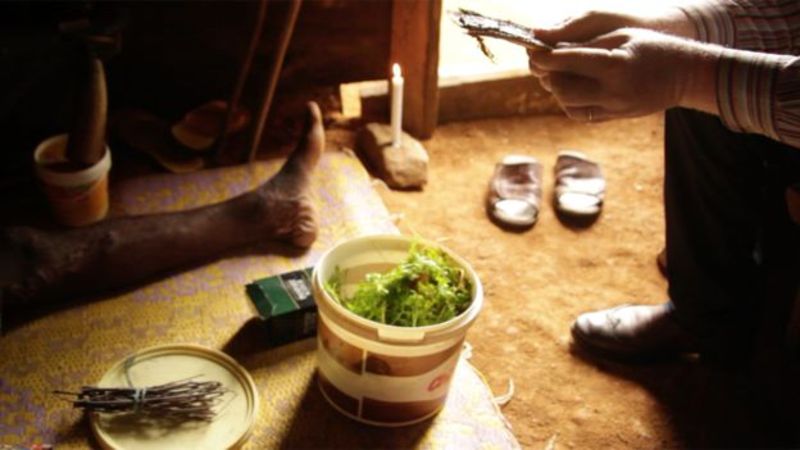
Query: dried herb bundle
[
  {"x": 478, "y": 26},
  {"x": 184, "y": 400},
  {"x": 425, "y": 289}
]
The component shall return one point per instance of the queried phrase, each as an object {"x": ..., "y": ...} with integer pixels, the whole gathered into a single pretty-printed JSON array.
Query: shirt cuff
[
  {"x": 747, "y": 91},
  {"x": 786, "y": 111},
  {"x": 712, "y": 21}
]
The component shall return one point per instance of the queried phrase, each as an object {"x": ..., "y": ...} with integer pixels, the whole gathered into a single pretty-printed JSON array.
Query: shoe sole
[{"x": 582, "y": 346}]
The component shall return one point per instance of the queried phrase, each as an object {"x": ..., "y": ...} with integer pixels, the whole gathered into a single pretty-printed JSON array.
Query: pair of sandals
[{"x": 515, "y": 191}]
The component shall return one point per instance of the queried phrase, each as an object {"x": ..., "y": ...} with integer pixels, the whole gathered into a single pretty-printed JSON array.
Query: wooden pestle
[{"x": 87, "y": 137}]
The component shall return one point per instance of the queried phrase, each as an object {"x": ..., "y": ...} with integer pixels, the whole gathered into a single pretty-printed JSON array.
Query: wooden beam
[
  {"x": 501, "y": 94},
  {"x": 415, "y": 46}
]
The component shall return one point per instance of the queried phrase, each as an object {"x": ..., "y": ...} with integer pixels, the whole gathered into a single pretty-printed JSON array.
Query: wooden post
[
  {"x": 415, "y": 46},
  {"x": 274, "y": 75},
  {"x": 241, "y": 80}
]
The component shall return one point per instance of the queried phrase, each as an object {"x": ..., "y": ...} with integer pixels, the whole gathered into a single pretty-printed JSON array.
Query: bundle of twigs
[
  {"x": 479, "y": 26},
  {"x": 185, "y": 399}
]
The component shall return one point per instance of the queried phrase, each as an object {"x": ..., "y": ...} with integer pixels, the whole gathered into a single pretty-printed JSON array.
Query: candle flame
[{"x": 396, "y": 69}]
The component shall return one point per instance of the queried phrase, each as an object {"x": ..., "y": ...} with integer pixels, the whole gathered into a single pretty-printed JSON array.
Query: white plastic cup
[
  {"x": 376, "y": 373},
  {"x": 76, "y": 197}
]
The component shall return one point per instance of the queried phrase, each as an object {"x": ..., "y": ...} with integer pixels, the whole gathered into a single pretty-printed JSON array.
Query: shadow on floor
[
  {"x": 576, "y": 222},
  {"x": 317, "y": 425},
  {"x": 314, "y": 423},
  {"x": 752, "y": 406}
]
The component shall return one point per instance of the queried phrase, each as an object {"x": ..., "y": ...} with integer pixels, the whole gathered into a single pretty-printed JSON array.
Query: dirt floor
[{"x": 537, "y": 281}]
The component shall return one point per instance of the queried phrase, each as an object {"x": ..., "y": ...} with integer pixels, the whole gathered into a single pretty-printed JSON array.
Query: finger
[
  {"x": 609, "y": 41},
  {"x": 582, "y": 114},
  {"x": 533, "y": 51},
  {"x": 589, "y": 114},
  {"x": 580, "y": 61},
  {"x": 545, "y": 82},
  {"x": 578, "y": 29},
  {"x": 574, "y": 90},
  {"x": 536, "y": 71}
]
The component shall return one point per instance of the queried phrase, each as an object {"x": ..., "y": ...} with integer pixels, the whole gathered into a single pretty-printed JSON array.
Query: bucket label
[
  {"x": 408, "y": 366},
  {"x": 438, "y": 382}
]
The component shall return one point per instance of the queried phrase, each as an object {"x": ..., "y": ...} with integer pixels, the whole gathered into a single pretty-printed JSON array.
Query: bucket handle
[{"x": 405, "y": 336}]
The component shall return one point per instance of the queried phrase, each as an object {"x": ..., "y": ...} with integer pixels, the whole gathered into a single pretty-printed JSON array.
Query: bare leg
[{"x": 115, "y": 253}]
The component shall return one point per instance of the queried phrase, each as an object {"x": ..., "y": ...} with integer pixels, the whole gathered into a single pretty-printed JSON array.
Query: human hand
[
  {"x": 591, "y": 24},
  {"x": 628, "y": 73}
]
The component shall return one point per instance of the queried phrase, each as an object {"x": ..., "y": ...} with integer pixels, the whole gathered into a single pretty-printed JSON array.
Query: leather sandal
[
  {"x": 149, "y": 134},
  {"x": 580, "y": 186},
  {"x": 515, "y": 191}
]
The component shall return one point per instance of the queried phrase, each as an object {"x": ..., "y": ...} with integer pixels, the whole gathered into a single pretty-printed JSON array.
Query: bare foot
[{"x": 286, "y": 203}]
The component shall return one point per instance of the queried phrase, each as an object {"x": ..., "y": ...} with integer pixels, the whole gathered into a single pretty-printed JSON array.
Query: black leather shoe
[
  {"x": 661, "y": 261},
  {"x": 633, "y": 331}
]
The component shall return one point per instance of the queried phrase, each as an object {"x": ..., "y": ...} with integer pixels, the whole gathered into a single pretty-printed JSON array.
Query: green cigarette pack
[{"x": 286, "y": 304}]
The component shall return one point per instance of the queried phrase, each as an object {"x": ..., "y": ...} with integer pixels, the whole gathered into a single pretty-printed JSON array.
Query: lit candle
[{"x": 397, "y": 105}]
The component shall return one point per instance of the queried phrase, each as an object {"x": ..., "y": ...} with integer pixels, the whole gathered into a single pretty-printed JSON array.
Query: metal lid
[{"x": 165, "y": 363}]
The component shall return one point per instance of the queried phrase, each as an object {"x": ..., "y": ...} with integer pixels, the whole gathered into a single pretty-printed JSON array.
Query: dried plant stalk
[
  {"x": 185, "y": 399},
  {"x": 479, "y": 26}
]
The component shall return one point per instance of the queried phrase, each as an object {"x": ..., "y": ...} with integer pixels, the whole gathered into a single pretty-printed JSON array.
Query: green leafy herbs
[{"x": 426, "y": 289}]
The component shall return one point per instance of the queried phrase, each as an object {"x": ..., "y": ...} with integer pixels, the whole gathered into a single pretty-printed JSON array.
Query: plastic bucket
[
  {"x": 77, "y": 197},
  {"x": 382, "y": 374}
]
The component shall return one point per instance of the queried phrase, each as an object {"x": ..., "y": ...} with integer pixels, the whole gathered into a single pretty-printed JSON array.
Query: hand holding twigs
[
  {"x": 628, "y": 73},
  {"x": 480, "y": 26}
]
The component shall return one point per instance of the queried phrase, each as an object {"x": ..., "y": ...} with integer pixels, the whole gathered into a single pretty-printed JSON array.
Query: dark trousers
[{"x": 727, "y": 226}]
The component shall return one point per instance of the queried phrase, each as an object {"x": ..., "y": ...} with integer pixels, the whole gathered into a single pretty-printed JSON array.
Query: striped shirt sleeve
[
  {"x": 754, "y": 94},
  {"x": 758, "y": 79},
  {"x": 760, "y": 25}
]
